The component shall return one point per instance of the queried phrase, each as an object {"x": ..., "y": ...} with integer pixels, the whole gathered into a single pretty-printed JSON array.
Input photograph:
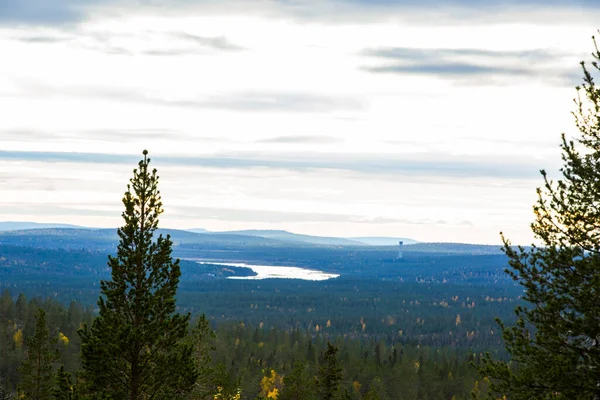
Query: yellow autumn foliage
[
  {"x": 221, "y": 396},
  {"x": 270, "y": 385},
  {"x": 18, "y": 338},
  {"x": 63, "y": 338}
]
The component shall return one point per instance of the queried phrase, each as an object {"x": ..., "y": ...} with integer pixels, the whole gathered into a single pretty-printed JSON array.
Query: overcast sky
[{"x": 420, "y": 119}]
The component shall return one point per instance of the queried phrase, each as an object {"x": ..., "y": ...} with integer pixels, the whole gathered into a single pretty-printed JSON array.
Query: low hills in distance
[{"x": 55, "y": 236}]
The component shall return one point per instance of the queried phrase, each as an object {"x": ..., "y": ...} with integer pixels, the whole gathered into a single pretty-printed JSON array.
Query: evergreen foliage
[
  {"x": 134, "y": 348},
  {"x": 64, "y": 390},
  {"x": 37, "y": 368},
  {"x": 330, "y": 375},
  {"x": 202, "y": 339},
  {"x": 555, "y": 343},
  {"x": 297, "y": 384}
]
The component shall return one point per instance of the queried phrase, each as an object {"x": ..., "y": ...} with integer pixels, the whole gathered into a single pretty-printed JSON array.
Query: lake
[{"x": 276, "y": 271}]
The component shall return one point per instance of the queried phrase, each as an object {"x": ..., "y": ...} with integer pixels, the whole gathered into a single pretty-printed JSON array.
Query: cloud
[
  {"x": 300, "y": 139},
  {"x": 441, "y": 166},
  {"x": 218, "y": 42},
  {"x": 273, "y": 216},
  {"x": 60, "y": 12},
  {"x": 471, "y": 64},
  {"x": 108, "y": 135},
  {"x": 250, "y": 101},
  {"x": 48, "y": 39}
]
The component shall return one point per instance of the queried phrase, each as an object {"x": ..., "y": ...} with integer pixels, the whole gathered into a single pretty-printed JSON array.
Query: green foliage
[
  {"x": 330, "y": 375},
  {"x": 134, "y": 348},
  {"x": 37, "y": 369},
  {"x": 64, "y": 389},
  {"x": 555, "y": 343},
  {"x": 298, "y": 384},
  {"x": 210, "y": 378}
]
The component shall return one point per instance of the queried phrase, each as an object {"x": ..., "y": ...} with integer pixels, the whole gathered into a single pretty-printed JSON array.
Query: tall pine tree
[
  {"x": 37, "y": 369},
  {"x": 555, "y": 343},
  {"x": 135, "y": 348}
]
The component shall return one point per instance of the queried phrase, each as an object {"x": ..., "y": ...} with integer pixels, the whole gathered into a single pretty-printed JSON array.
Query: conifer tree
[
  {"x": 37, "y": 369},
  {"x": 555, "y": 343},
  {"x": 202, "y": 340},
  {"x": 296, "y": 385},
  {"x": 330, "y": 375},
  {"x": 64, "y": 390},
  {"x": 135, "y": 348}
]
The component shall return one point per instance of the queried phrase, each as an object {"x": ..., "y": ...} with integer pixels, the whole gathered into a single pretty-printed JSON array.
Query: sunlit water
[{"x": 275, "y": 271}]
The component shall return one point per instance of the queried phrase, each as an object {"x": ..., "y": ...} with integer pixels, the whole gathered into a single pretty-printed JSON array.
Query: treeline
[{"x": 252, "y": 361}]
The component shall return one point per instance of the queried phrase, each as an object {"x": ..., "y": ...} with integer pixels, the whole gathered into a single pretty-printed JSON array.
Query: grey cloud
[
  {"x": 218, "y": 42},
  {"x": 60, "y": 12},
  {"x": 471, "y": 65},
  {"x": 110, "y": 135},
  {"x": 43, "y": 39},
  {"x": 440, "y": 166},
  {"x": 54, "y": 210},
  {"x": 412, "y": 54},
  {"x": 269, "y": 216},
  {"x": 301, "y": 139},
  {"x": 448, "y": 69},
  {"x": 239, "y": 101}
]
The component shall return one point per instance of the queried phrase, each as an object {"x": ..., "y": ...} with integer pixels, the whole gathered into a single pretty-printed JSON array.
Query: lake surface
[{"x": 276, "y": 271}]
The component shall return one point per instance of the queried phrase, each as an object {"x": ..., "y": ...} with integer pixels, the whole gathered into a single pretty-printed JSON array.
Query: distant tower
[{"x": 400, "y": 249}]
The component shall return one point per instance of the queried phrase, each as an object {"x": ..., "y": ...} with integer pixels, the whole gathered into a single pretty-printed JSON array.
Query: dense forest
[{"x": 256, "y": 359}]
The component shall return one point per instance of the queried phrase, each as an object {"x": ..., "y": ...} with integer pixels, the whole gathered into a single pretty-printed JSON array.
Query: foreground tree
[
  {"x": 555, "y": 344},
  {"x": 134, "y": 348},
  {"x": 37, "y": 369}
]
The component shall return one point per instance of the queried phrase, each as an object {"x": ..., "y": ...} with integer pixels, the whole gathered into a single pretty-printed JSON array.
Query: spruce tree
[
  {"x": 135, "y": 348},
  {"x": 203, "y": 340},
  {"x": 329, "y": 377},
  {"x": 296, "y": 385},
  {"x": 64, "y": 390},
  {"x": 555, "y": 343},
  {"x": 37, "y": 369}
]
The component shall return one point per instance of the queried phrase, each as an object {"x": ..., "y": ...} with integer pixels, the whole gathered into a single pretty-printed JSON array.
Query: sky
[{"x": 426, "y": 119}]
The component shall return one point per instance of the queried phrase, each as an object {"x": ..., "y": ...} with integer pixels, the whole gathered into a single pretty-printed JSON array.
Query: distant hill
[
  {"x": 454, "y": 248},
  {"x": 18, "y": 225},
  {"x": 286, "y": 236},
  {"x": 197, "y": 230},
  {"x": 187, "y": 243},
  {"x": 106, "y": 239},
  {"x": 382, "y": 241}
]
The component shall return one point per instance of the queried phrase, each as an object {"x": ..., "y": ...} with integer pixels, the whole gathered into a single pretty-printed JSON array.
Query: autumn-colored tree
[
  {"x": 270, "y": 385},
  {"x": 135, "y": 348}
]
